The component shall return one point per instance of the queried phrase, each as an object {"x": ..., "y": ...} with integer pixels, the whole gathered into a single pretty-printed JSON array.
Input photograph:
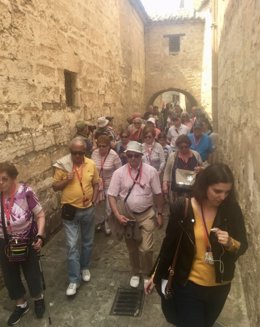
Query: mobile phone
[{"x": 214, "y": 230}]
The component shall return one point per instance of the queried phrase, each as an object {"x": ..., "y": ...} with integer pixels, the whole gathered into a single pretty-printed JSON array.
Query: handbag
[
  {"x": 16, "y": 249},
  {"x": 167, "y": 300},
  {"x": 184, "y": 179},
  {"x": 68, "y": 211},
  {"x": 168, "y": 288}
]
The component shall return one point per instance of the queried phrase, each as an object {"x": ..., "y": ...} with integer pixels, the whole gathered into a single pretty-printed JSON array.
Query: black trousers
[
  {"x": 195, "y": 305},
  {"x": 12, "y": 274}
]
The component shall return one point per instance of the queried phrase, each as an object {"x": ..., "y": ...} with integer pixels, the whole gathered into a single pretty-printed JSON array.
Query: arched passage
[{"x": 159, "y": 96}]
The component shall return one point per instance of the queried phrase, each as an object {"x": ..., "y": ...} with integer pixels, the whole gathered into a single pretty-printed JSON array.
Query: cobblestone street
[{"x": 92, "y": 304}]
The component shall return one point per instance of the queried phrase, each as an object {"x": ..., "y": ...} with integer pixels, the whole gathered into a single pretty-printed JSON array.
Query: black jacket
[{"x": 229, "y": 218}]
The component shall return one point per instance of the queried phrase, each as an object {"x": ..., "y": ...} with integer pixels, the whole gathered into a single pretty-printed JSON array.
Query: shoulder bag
[{"x": 16, "y": 249}]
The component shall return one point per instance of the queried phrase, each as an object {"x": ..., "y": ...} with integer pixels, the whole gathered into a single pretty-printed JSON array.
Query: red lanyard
[
  {"x": 102, "y": 163},
  {"x": 8, "y": 210},
  {"x": 206, "y": 233},
  {"x": 138, "y": 181},
  {"x": 79, "y": 174}
]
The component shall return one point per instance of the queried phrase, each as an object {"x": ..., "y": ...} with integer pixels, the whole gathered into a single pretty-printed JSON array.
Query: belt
[{"x": 139, "y": 213}]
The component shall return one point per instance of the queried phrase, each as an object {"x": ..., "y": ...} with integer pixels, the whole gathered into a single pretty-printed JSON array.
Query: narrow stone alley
[{"x": 92, "y": 304}]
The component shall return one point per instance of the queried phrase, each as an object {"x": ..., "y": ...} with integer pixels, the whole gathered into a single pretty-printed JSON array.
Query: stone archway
[{"x": 190, "y": 98}]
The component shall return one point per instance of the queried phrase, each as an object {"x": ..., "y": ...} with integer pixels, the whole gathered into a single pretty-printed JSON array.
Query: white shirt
[{"x": 174, "y": 133}]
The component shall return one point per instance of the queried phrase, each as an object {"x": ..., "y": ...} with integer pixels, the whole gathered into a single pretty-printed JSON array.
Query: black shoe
[
  {"x": 39, "y": 308},
  {"x": 16, "y": 315}
]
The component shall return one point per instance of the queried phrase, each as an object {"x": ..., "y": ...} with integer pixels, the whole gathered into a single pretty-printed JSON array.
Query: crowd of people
[{"x": 119, "y": 182}]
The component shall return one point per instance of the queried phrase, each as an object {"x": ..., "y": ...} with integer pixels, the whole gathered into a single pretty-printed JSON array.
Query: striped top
[{"x": 111, "y": 164}]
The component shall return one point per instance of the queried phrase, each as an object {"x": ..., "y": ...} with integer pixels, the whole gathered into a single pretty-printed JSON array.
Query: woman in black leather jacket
[{"x": 213, "y": 238}]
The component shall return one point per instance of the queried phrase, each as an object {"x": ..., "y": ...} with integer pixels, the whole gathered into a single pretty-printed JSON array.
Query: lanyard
[
  {"x": 79, "y": 174},
  {"x": 206, "y": 233},
  {"x": 8, "y": 210},
  {"x": 102, "y": 164},
  {"x": 196, "y": 143},
  {"x": 149, "y": 150},
  {"x": 136, "y": 180}
]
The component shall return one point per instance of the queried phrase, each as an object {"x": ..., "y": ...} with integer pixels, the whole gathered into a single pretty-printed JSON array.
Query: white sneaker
[
  {"x": 86, "y": 275},
  {"x": 107, "y": 228},
  {"x": 72, "y": 289},
  {"x": 134, "y": 281}
]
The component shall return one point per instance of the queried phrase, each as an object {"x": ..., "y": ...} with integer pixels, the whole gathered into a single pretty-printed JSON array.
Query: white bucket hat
[
  {"x": 134, "y": 147},
  {"x": 102, "y": 122},
  {"x": 151, "y": 120}
]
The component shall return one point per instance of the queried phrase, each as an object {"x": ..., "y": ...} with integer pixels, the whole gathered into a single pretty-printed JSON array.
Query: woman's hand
[
  {"x": 37, "y": 245},
  {"x": 223, "y": 237},
  {"x": 148, "y": 287}
]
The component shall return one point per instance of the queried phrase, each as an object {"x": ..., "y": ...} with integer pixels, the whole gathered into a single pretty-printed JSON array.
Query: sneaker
[
  {"x": 72, "y": 289},
  {"x": 39, "y": 308},
  {"x": 86, "y": 275},
  {"x": 107, "y": 229},
  {"x": 134, "y": 281},
  {"x": 17, "y": 314}
]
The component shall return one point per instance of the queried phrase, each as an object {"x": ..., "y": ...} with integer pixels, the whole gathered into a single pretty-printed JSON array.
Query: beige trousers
[{"x": 141, "y": 253}]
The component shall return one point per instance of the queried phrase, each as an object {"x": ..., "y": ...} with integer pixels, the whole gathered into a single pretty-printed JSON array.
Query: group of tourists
[{"x": 120, "y": 182}]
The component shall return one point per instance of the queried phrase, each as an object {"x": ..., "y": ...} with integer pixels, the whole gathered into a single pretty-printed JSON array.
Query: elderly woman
[
  {"x": 107, "y": 161},
  {"x": 136, "y": 130},
  {"x": 21, "y": 238},
  {"x": 180, "y": 169},
  {"x": 153, "y": 153}
]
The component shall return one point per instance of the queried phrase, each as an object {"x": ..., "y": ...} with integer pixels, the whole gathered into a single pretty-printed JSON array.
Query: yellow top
[
  {"x": 73, "y": 193},
  {"x": 201, "y": 273}
]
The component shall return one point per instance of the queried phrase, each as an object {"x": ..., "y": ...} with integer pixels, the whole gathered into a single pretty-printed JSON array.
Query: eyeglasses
[
  {"x": 124, "y": 136},
  {"x": 77, "y": 153},
  {"x": 130, "y": 156},
  {"x": 102, "y": 145},
  {"x": 137, "y": 123},
  {"x": 148, "y": 137}
]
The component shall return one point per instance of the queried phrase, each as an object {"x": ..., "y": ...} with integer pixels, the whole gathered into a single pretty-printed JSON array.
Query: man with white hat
[{"x": 132, "y": 192}]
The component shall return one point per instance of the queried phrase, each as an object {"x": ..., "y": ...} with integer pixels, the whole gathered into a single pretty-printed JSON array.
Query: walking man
[
  {"x": 77, "y": 178},
  {"x": 132, "y": 192}
]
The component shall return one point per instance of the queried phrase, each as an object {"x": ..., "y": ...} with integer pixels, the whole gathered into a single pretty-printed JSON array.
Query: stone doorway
[{"x": 174, "y": 96}]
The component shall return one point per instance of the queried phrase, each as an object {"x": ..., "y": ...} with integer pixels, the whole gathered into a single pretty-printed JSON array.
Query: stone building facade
[
  {"x": 238, "y": 115},
  {"x": 96, "y": 48},
  {"x": 174, "y": 69}
]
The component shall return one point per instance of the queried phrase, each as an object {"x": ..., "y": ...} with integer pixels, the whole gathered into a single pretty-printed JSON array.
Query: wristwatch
[{"x": 159, "y": 213}]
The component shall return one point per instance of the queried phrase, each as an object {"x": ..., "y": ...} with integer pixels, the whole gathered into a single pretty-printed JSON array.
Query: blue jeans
[{"x": 82, "y": 226}]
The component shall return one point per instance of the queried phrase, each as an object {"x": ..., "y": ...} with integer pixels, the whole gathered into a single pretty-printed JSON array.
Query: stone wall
[
  {"x": 180, "y": 71},
  {"x": 102, "y": 42},
  {"x": 239, "y": 126}
]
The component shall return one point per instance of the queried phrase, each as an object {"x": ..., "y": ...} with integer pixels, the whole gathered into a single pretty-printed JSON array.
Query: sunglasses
[
  {"x": 77, "y": 153},
  {"x": 102, "y": 146},
  {"x": 136, "y": 156}
]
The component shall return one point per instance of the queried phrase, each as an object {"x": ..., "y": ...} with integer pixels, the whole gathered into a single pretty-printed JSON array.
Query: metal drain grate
[{"x": 128, "y": 302}]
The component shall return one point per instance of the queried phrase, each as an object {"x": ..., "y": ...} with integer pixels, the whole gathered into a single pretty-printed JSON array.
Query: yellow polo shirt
[{"x": 72, "y": 193}]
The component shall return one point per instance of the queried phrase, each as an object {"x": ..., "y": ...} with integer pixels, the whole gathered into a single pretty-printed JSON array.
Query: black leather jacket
[{"x": 229, "y": 218}]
